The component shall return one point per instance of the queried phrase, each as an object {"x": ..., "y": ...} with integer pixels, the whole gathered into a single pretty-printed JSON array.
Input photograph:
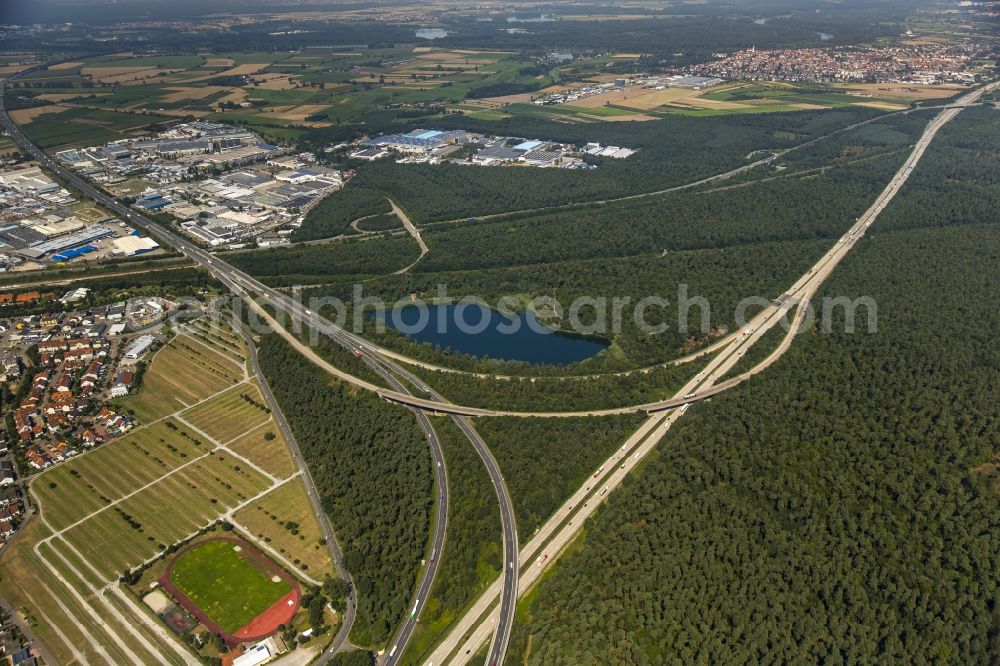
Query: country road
[
  {"x": 699, "y": 388},
  {"x": 413, "y": 231},
  {"x": 350, "y": 611}
]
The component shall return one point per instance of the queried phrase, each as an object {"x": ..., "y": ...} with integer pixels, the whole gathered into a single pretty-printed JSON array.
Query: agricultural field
[
  {"x": 635, "y": 103},
  {"x": 283, "y": 519},
  {"x": 189, "y": 371},
  {"x": 276, "y": 94},
  {"x": 90, "y": 482},
  {"x": 225, "y": 584},
  {"x": 143, "y": 525},
  {"x": 113, "y": 510},
  {"x": 227, "y": 416},
  {"x": 265, "y": 447},
  {"x": 58, "y": 125}
]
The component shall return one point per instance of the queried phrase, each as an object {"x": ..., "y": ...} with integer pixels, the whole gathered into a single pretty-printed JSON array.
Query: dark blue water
[{"x": 480, "y": 331}]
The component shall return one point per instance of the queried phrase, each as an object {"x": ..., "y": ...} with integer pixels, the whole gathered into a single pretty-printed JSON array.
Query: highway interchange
[{"x": 486, "y": 616}]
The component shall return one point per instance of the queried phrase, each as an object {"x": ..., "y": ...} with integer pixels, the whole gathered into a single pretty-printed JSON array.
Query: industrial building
[{"x": 139, "y": 347}]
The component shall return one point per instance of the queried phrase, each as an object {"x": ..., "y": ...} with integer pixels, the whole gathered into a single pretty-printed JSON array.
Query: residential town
[
  {"x": 461, "y": 147},
  {"x": 224, "y": 184},
  {"x": 62, "y": 370},
  {"x": 15, "y": 648},
  {"x": 924, "y": 63}
]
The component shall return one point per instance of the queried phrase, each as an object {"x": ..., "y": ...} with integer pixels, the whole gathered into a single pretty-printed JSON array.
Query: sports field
[{"x": 227, "y": 586}]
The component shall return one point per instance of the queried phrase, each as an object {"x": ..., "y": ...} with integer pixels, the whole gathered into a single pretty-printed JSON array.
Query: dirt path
[{"x": 410, "y": 227}]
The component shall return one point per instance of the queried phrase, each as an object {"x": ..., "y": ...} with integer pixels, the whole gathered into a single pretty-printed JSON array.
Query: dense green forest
[
  {"x": 725, "y": 244},
  {"x": 387, "y": 222},
  {"x": 723, "y": 277},
  {"x": 839, "y": 508},
  {"x": 324, "y": 262},
  {"x": 472, "y": 552},
  {"x": 546, "y": 393},
  {"x": 373, "y": 471},
  {"x": 354, "y": 658},
  {"x": 333, "y": 215},
  {"x": 820, "y": 205},
  {"x": 672, "y": 151},
  {"x": 545, "y": 460},
  {"x": 957, "y": 181}
]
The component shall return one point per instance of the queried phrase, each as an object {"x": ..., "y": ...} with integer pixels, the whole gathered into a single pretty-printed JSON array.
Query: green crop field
[{"x": 224, "y": 584}]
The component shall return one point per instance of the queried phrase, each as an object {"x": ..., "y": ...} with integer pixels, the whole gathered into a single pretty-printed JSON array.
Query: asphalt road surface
[
  {"x": 350, "y": 611},
  {"x": 473, "y": 628},
  {"x": 244, "y": 285}
]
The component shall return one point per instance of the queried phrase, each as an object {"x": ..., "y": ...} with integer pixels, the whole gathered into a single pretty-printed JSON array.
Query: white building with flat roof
[{"x": 140, "y": 346}]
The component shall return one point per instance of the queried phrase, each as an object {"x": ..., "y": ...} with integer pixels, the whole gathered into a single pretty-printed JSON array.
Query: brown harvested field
[
  {"x": 902, "y": 90},
  {"x": 284, "y": 520},
  {"x": 89, "y": 482},
  {"x": 181, "y": 374},
  {"x": 239, "y": 70},
  {"x": 883, "y": 106},
  {"x": 643, "y": 99},
  {"x": 297, "y": 113},
  {"x": 64, "y": 65},
  {"x": 125, "y": 74},
  {"x": 653, "y": 98},
  {"x": 271, "y": 455},
  {"x": 112, "y": 71},
  {"x": 22, "y": 116},
  {"x": 229, "y": 415},
  {"x": 274, "y": 81},
  {"x": 639, "y": 117},
  {"x": 805, "y": 106},
  {"x": 218, "y": 62},
  {"x": 43, "y": 604},
  {"x": 192, "y": 93}
]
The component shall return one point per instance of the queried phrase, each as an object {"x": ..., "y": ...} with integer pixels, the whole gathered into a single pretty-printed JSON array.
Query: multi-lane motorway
[
  {"x": 245, "y": 286},
  {"x": 470, "y": 632},
  {"x": 702, "y": 386}
]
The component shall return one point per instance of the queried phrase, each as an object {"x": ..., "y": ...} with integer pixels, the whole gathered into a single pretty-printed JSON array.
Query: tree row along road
[
  {"x": 551, "y": 539},
  {"x": 246, "y": 287},
  {"x": 350, "y": 604},
  {"x": 700, "y": 387}
]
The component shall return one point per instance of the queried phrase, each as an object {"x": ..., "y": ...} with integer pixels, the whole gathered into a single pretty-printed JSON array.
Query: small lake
[
  {"x": 479, "y": 331},
  {"x": 431, "y": 33}
]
